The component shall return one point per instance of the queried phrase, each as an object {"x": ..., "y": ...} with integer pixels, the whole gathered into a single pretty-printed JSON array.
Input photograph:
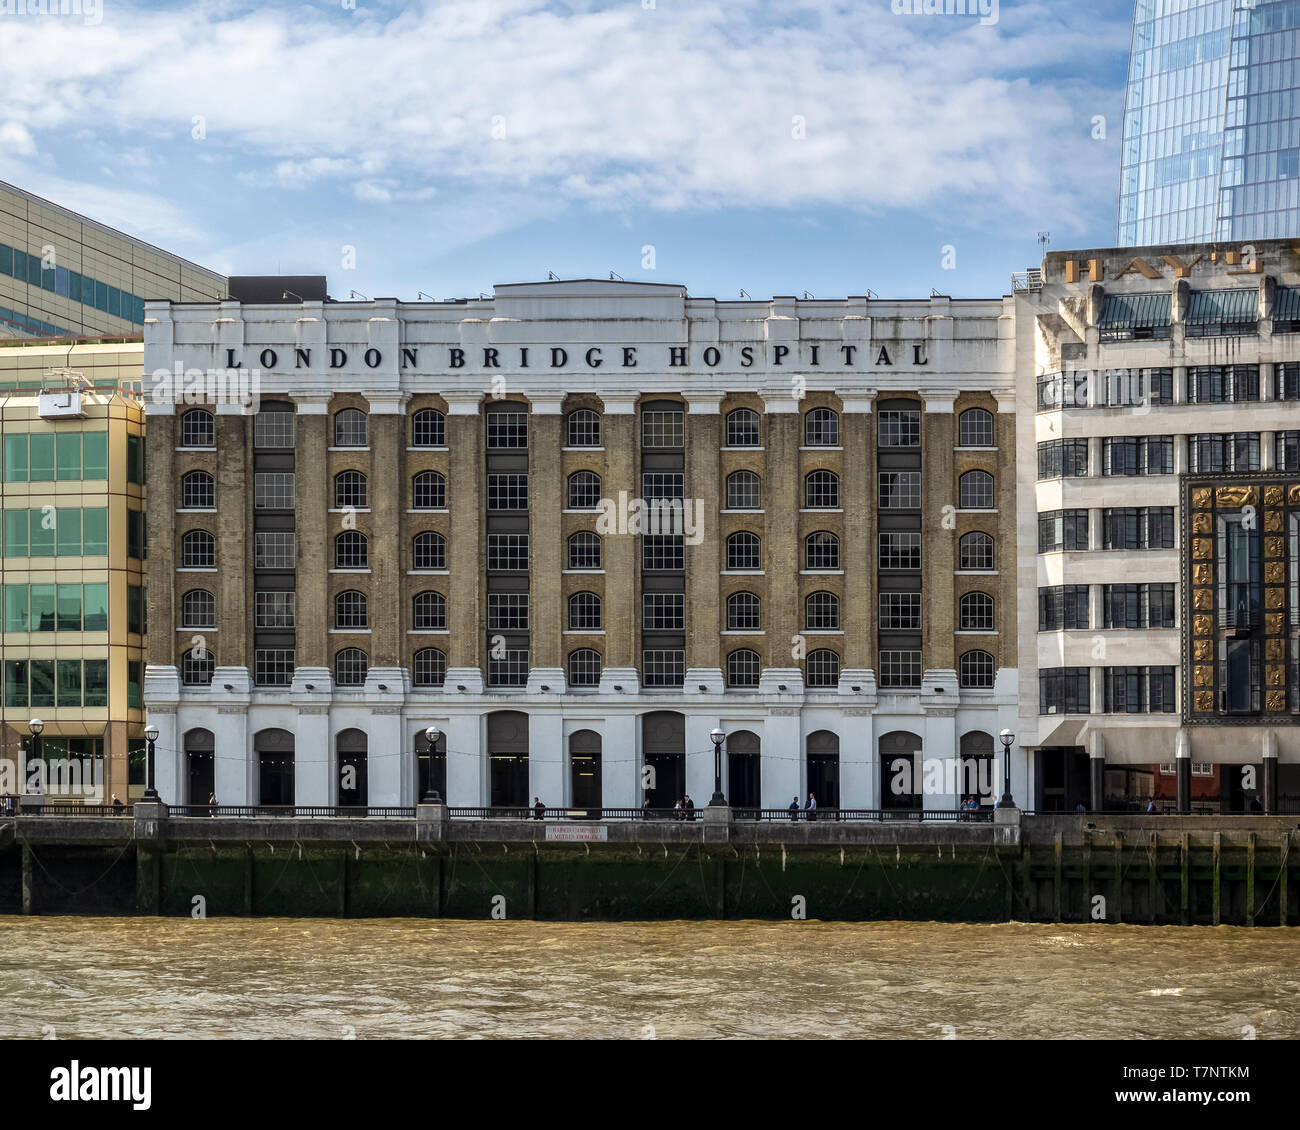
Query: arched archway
[
  {"x": 900, "y": 771},
  {"x": 824, "y": 768},
  {"x": 663, "y": 750},
  {"x": 744, "y": 771},
  {"x": 976, "y": 775},
  {"x": 507, "y": 738},
  {"x": 584, "y": 771},
  {"x": 200, "y": 766},
  {"x": 274, "y": 751},
  {"x": 351, "y": 747}
]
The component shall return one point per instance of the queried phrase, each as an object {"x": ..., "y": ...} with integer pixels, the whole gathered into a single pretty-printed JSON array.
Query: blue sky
[{"x": 827, "y": 147}]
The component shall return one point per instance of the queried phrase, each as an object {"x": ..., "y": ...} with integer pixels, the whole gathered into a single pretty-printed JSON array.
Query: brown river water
[{"x": 71, "y": 978}]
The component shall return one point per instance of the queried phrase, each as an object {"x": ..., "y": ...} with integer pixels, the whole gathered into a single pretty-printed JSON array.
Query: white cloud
[{"x": 17, "y": 139}]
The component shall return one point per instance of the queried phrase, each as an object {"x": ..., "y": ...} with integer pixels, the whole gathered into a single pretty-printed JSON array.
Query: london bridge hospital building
[{"x": 577, "y": 527}]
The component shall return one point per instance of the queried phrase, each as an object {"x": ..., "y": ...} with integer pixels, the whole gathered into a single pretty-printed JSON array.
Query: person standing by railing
[
  {"x": 794, "y": 809},
  {"x": 539, "y": 809},
  {"x": 810, "y": 809}
]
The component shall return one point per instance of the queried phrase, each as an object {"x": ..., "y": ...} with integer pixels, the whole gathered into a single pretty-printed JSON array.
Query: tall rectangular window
[
  {"x": 16, "y": 458},
  {"x": 94, "y": 454},
  {"x": 67, "y": 446},
  {"x": 94, "y": 531},
  {"x": 42, "y": 458},
  {"x": 1063, "y": 608},
  {"x": 95, "y": 607},
  {"x": 1062, "y": 530}
]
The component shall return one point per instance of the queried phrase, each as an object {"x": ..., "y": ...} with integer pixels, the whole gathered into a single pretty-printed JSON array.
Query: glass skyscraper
[{"x": 1211, "y": 122}]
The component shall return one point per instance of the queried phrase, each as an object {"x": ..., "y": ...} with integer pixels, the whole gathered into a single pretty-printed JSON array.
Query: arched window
[
  {"x": 429, "y": 551},
  {"x": 583, "y": 428},
  {"x": 821, "y": 428},
  {"x": 429, "y": 491},
  {"x": 743, "y": 491},
  {"x": 350, "y": 666},
  {"x": 743, "y": 551},
  {"x": 821, "y": 490},
  {"x": 821, "y": 551},
  {"x": 198, "y": 550},
  {"x": 350, "y": 428},
  {"x": 976, "y": 612},
  {"x": 350, "y": 611},
  {"x": 198, "y": 609},
  {"x": 822, "y": 612},
  {"x": 977, "y": 491},
  {"x": 743, "y": 612},
  {"x": 822, "y": 669},
  {"x": 350, "y": 491},
  {"x": 429, "y": 612},
  {"x": 584, "y": 490},
  {"x": 975, "y": 428},
  {"x": 584, "y": 668},
  {"x": 975, "y": 670},
  {"x": 198, "y": 429},
  {"x": 429, "y": 668},
  {"x": 742, "y": 668},
  {"x": 197, "y": 666},
  {"x": 584, "y": 612},
  {"x": 198, "y": 492},
  {"x": 584, "y": 550},
  {"x": 742, "y": 428},
  {"x": 428, "y": 428},
  {"x": 351, "y": 550},
  {"x": 975, "y": 551}
]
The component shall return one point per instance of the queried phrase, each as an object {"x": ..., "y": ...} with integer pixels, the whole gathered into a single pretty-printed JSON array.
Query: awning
[
  {"x": 1134, "y": 311},
  {"x": 1286, "y": 306},
  {"x": 1215, "y": 307}
]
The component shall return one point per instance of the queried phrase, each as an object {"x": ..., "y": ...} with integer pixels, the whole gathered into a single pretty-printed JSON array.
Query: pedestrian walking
[
  {"x": 539, "y": 809},
  {"x": 794, "y": 809},
  {"x": 810, "y": 809}
]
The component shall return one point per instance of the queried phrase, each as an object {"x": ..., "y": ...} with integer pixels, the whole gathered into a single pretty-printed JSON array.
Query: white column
[
  {"x": 313, "y": 783},
  {"x": 939, "y": 761},
  {"x": 390, "y": 764},
  {"x": 466, "y": 761},
  {"x": 169, "y": 760},
  {"x": 620, "y": 762},
  {"x": 234, "y": 768},
  {"x": 548, "y": 759},
  {"x": 784, "y": 760},
  {"x": 859, "y": 768},
  {"x": 699, "y": 759}
]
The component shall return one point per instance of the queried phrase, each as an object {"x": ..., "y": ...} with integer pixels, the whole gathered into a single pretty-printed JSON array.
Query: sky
[{"x": 442, "y": 146}]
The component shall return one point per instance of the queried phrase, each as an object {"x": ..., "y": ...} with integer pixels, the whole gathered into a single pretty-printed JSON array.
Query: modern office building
[
  {"x": 1211, "y": 147},
  {"x": 577, "y": 526},
  {"x": 1159, "y": 503}
]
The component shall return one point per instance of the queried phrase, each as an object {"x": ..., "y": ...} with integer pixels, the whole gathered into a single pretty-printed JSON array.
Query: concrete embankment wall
[{"x": 1188, "y": 870}]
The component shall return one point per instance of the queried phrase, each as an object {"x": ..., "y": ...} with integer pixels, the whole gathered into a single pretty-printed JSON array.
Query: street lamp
[
  {"x": 36, "y": 726},
  {"x": 717, "y": 737},
  {"x": 150, "y": 793},
  {"x": 1007, "y": 738},
  {"x": 431, "y": 794}
]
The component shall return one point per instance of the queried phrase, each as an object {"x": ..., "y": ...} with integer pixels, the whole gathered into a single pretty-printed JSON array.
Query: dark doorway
[
  {"x": 824, "y": 768},
  {"x": 584, "y": 772},
  {"x": 744, "y": 773},
  {"x": 977, "y": 771},
  {"x": 200, "y": 766},
  {"x": 1064, "y": 779},
  {"x": 275, "y": 767},
  {"x": 353, "y": 789},
  {"x": 663, "y": 747},
  {"x": 901, "y": 772},
  {"x": 507, "y": 732}
]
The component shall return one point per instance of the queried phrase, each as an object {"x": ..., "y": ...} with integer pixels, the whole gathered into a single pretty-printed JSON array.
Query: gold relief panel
[
  {"x": 1203, "y": 599},
  {"x": 1203, "y": 625},
  {"x": 1204, "y": 701},
  {"x": 1293, "y": 496},
  {"x": 1203, "y": 523},
  {"x": 1275, "y": 573},
  {"x": 1274, "y": 598},
  {"x": 1202, "y": 574},
  {"x": 1273, "y": 496},
  {"x": 1229, "y": 498},
  {"x": 1275, "y": 675},
  {"x": 1275, "y": 702},
  {"x": 1203, "y": 651},
  {"x": 1273, "y": 624},
  {"x": 1202, "y": 498},
  {"x": 1272, "y": 521},
  {"x": 1274, "y": 547},
  {"x": 1275, "y": 650},
  {"x": 1203, "y": 676},
  {"x": 1202, "y": 548}
]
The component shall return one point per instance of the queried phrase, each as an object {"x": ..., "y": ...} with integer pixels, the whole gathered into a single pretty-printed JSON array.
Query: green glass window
[
  {"x": 69, "y": 608},
  {"x": 69, "y": 672},
  {"x": 134, "y": 691},
  {"x": 40, "y": 532},
  {"x": 94, "y": 531},
  {"x": 16, "y": 459},
  {"x": 15, "y": 682},
  {"x": 42, "y": 676},
  {"x": 68, "y": 529},
  {"x": 16, "y": 533},
  {"x": 16, "y": 608},
  {"x": 134, "y": 459},
  {"x": 41, "y": 449},
  {"x": 94, "y": 454},
  {"x": 135, "y": 534},
  {"x": 95, "y": 606},
  {"x": 137, "y": 762},
  {"x": 67, "y": 447},
  {"x": 134, "y": 609},
  {"x": 42, "y": 615},
  {"x": 96, "y": 682}
]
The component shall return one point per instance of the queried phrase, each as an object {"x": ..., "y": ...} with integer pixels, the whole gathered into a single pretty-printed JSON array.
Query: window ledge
[
  {"x": 347, "y": 449},
  {"x": 349, "y": 631},
  {"x": 196, "y": 569},
  {"x": 208, "y": 628},
  {"x": 821, "y": 572},
  {"x": 741, "y": 632},
  {"x": 582, "y": 449},
  {"x": 349, "y": 510},
  {"x": 421, "y": 510},
  {"x": 742, "y": 510},
  {"x": 589, "y": 572},
  {"x": 428, "y": 631},
  {"x": 583, "y": 632},
  {"x": 442, "y": 448},
  {"x": 349, "y": 570},
  {"x": 974, "y": 572},
  {"x": 742, "y": 573},
  {"x": 427, "y": 572}
]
